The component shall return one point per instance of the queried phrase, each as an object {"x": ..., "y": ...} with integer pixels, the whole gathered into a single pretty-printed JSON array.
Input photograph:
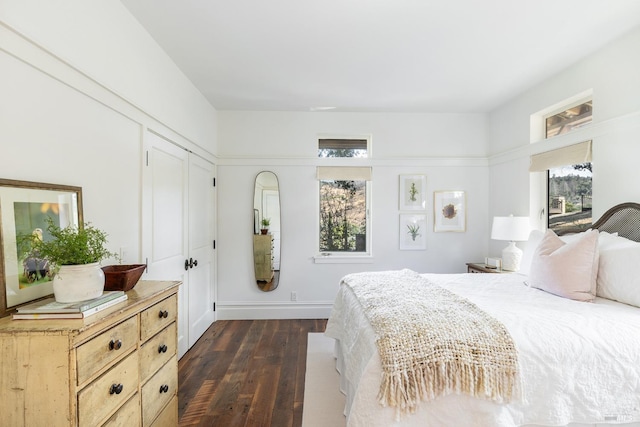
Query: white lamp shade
[{"x": 510, "y": 228}]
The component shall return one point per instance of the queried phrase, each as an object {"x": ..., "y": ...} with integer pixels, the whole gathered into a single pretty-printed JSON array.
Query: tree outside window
[{"x": 343, "y": 216}]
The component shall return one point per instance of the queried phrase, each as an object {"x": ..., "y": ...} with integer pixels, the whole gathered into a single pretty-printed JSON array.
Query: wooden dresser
[
  {"x": 262, "y": 256},
  {"x": 118, "y": 367}
]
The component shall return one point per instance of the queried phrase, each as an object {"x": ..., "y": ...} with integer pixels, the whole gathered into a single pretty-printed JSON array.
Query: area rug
[{"x": 323, "y": 403}]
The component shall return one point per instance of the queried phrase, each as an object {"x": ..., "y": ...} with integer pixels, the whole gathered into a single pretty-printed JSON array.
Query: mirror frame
[{"x": 267, "y": 278}]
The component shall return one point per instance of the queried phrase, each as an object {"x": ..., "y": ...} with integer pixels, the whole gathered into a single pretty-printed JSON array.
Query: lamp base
[{"x": 511, "y": 257}]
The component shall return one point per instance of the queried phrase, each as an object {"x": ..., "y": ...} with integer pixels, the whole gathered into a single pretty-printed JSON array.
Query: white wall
[
  {"x": 80, "y": 82},
  {"x": 612, "y": 74},
  {"x": 450, "y": 149}
]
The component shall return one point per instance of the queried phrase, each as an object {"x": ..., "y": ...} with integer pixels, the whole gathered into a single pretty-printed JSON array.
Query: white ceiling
[{"x": 377, "y": 55}]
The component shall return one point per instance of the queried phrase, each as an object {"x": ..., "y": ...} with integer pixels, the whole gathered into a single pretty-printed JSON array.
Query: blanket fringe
[{"x": 405, "y": 389}]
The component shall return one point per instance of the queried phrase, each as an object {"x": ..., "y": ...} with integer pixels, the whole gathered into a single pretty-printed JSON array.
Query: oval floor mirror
[{"x": 266, "y": 231}]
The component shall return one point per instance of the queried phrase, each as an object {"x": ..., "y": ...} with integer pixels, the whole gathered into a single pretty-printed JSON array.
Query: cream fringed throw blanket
[{"x": 433, "y": 342}]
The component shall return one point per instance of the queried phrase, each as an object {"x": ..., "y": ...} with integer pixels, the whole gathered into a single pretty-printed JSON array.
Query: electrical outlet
[{"x": 294, "y": 296}]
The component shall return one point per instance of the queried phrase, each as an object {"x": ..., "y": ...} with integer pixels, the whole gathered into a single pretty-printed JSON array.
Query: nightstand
[{"x": 480, "y": 267}]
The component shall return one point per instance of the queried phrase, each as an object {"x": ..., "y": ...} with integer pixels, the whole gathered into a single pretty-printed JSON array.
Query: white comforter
[{"x": 579, "y": 362}]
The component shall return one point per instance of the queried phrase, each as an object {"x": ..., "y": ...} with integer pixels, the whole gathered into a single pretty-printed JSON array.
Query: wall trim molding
[
  {"x": 273, "y": 311},
  {"x": 33, "y": 54},
  {"x": 589, "y": 132},
  {"x": 377, "y": 161}
]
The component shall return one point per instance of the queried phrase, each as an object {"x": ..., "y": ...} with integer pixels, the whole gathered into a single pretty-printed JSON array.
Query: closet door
[
  {"x": 165, "y": 220},
  {"x": 201, "y": 238},
  {"x": 178, "y": 223}
]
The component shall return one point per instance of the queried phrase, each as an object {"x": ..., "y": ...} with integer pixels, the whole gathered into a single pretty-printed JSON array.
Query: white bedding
[{"x": 579, "y": 362}]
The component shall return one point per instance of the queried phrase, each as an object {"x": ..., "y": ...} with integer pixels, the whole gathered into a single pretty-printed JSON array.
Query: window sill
[{"x": 343, "y": 259}]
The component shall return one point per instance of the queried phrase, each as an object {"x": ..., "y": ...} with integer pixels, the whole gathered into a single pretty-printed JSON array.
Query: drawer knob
[
  {"x": 115, "y": 345},
  {"x": 116, "y": 388},
  {"x": 162, "y": 348},
  {"x": 163, "y": 314},
  {"x": 164, "y": 388}
]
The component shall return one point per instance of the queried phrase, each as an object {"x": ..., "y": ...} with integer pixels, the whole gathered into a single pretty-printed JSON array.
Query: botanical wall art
[
  {"x": 413, "y": 229},
  {"x": 413, "y": 192},
  {"x": 24, "y": 209},
  {"x": 450, "y": 212}
]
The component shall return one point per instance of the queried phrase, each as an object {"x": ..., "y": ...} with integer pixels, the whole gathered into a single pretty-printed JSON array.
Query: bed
[{"x": 578, "y": 349}]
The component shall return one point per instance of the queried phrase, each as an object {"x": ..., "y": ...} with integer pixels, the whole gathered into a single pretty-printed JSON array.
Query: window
[
  {"x": 341, "y": 147},
  {"x": 570, "y": 197},
  {"x": 569, "y": 119},
  {"x": 344, "y": 207},
  {"x": 569, "y": 186},
  {"x": 344, "y": 193},
  {"x": 343, "y": 216}
]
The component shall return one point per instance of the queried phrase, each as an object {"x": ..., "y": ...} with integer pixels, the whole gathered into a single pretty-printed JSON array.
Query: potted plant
[
  {"x": 74, "y": 254},
  {"x": 265, "y": 225}
]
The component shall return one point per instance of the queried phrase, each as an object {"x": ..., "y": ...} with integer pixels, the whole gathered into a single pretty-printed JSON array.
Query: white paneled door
[
  {"x": 177, "y": 227},
  {"x": 201, "y": 260}
]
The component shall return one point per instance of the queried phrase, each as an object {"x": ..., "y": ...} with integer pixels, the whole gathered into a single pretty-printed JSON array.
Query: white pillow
[
  {"x": 613, "y": 241},
  {"x": 529, "y": 248},
  {"x": 618, "y": 277},
  {"x": 535, "y": 237},
  {"x": 604, "y": 238},
  {"x": 566, "y": 269}
]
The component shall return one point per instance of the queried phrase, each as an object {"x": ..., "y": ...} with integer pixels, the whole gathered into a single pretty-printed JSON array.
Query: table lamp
[{"x": 513, "y": 229}]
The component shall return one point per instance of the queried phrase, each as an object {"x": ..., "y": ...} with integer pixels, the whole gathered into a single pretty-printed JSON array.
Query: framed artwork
[
  {"x": 413, "y": 193},
  {"x": 24, "y": 208},
  {"x": 413, "y": 229},
  {"x": 449, "y": 211}
]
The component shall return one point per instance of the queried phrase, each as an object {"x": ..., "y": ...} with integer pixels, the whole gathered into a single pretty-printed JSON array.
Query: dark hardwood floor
[{"x": 246, "y": 373}]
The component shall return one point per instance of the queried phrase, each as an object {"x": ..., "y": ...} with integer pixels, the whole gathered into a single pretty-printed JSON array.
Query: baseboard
[{"x": 260, "y": 311}]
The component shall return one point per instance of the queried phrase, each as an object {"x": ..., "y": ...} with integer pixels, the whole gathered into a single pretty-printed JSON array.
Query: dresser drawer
[
  {"x": 169, "y": 415},
  {"x": 96, "y": 354},
  {"x": 157, "y": 351},
  {"x": 158, "y": 317},
  {"x": 128, "y": 415},
  {"x": 108, "y": 392},
  {"x": 159, "y": 390}
]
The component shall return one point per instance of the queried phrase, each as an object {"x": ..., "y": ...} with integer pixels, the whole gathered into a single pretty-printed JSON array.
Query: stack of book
[{"x": 50, "y": 309}]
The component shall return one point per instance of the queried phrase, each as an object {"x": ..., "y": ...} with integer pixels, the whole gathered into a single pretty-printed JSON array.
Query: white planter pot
[{"x": 75, "y": 283}]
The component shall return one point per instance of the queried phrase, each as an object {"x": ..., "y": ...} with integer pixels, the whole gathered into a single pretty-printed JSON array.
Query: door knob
[{"x": 190, "y": 263}]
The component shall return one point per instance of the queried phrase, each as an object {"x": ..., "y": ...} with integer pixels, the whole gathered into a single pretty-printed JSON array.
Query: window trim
[
  {"x": 537, "y": 121},
  {"x": 358, "y": 137},
  {"x": 346, "y": 168},
  {"x": 564, "y": 109},
  {"x": 547, "y": 175},
  {"x": 324, "y": 257}
]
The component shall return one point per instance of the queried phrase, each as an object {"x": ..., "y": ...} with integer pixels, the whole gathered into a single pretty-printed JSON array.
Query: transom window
[
  {"x": 569, "y": 119},
  {"x": 342, "y": 147}
]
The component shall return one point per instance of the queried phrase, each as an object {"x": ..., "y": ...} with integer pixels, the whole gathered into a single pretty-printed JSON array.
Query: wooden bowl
[{"x": 122, "y": 277}]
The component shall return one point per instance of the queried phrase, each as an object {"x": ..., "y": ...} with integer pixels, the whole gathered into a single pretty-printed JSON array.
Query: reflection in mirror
[{"x": 266, "y": 231}]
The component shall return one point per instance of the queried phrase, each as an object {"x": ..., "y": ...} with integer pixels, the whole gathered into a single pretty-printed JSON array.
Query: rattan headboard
[{"x": 623, "y": 218}]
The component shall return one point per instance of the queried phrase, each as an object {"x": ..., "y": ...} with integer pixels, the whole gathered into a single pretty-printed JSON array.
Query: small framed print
[
  {"x": 450, "y": 213},
  {"x": 413, "y": 229},
  {"x": 413, "y": 193}
]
